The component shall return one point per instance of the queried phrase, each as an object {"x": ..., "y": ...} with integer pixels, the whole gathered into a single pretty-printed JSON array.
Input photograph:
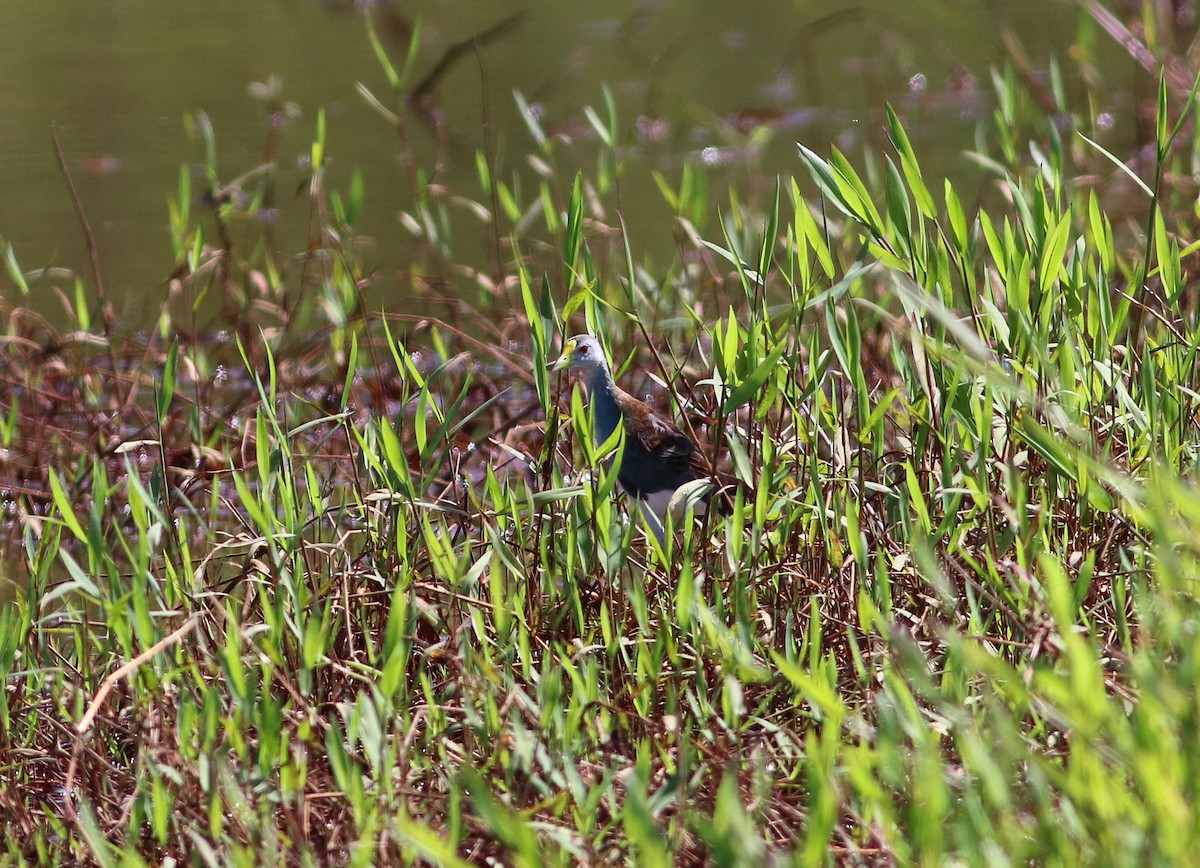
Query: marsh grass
[{"x": 377, "y": 601}]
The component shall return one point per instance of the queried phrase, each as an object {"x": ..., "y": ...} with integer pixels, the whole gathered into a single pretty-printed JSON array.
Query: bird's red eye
[{"x": 583, "y": 351}]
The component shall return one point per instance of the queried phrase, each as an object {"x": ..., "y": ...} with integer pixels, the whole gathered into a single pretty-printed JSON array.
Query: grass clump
[{"x": 350, "y": 586}]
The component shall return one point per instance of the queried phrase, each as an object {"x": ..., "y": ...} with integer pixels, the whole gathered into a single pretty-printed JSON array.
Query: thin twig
[
  {"x": 106, "y": 313},
  {"x": 85, "y": 723},
  {"x": 93, "y": 251}
]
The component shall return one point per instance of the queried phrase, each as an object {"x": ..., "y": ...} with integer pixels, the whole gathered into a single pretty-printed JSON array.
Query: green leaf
[
  {"x": 1053, "y": 252},
  {"x": 318, "y": 145},
  {"x": 1120, "y": 164},
  {"x": 354, "y": 201},
  {"x": 509, "y": 827},
  {"x": 381, "y": 54},
  {"x": 166, "y": 390},
  {"x": 531, "y": 119},
  {"x": 908, "y": 162},
  {"x": 14, "y": 270},
  {"x": 64, "y": 506},
  {"x": 351, "y": 370},
  {"x": 749, "y": 387}
]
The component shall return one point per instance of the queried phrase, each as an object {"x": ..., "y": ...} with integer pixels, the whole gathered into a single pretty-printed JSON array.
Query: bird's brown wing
[
  {"x": 660, "y": 456},
  {"x": 658, "y": 439}
]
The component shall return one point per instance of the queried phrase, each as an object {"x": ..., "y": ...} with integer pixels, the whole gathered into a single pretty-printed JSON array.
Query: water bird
[{"x": 657, "y": 457}]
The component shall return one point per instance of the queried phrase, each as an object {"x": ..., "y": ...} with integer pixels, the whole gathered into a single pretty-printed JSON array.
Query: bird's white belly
[{"x": 656, "y": 506}]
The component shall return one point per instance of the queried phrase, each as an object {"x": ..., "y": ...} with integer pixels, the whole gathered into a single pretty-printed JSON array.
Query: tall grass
[{"x": 354, "y": 586}]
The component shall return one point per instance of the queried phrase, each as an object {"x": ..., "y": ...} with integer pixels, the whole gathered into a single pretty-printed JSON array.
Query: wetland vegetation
[{"x": 296, "y": 577}]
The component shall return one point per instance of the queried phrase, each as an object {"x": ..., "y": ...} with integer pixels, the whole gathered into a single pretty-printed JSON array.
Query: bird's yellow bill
[{"x": 565, "y": 359}]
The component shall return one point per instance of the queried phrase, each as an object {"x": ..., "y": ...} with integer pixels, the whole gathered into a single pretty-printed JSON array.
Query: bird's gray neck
[{"x": 602, "y": 395}]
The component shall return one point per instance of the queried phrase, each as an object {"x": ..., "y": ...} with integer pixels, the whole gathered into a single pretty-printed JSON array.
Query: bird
[{"x": 657, "y": 458}]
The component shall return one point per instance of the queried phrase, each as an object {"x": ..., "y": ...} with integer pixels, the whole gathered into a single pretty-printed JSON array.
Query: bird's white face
[{"x": 581, "y": 352}]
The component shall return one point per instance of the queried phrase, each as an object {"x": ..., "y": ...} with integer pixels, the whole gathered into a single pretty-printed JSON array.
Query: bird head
[{"x": 582, "y": 353}]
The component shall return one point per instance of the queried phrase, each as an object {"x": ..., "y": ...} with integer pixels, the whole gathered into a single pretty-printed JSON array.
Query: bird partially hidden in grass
[{"x": 657, "y": 458}]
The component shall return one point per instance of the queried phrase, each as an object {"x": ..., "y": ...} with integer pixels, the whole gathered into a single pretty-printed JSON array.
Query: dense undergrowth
[{"x": 337, "y": 585}]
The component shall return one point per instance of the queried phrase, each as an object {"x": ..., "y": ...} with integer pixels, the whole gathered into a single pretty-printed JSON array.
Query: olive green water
[{"x": 115, "y": 79}]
